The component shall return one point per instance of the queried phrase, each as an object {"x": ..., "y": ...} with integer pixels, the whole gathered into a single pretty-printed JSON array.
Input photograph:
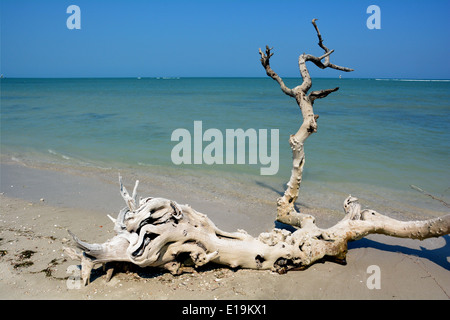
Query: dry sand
[{"x": 38, "y": 205}]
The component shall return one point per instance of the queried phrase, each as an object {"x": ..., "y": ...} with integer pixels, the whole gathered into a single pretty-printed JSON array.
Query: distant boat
[
  {"x": 139, "y": 78},
  {"x": 340, "y": 77}
]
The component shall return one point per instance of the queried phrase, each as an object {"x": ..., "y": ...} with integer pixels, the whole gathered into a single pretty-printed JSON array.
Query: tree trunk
[{"x": 161, "y": 233}]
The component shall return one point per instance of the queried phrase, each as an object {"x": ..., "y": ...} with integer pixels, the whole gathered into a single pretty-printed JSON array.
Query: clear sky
[{"x": 120, "y": 38}]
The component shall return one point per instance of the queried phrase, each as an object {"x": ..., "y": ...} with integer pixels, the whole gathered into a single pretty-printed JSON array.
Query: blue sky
[{"x": 221, "y": 38}]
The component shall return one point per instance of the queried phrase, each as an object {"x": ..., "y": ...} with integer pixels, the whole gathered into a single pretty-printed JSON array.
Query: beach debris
[
  {"x": 26, "y": 254},
  {"x": 23, "y": 264},
  {"x": 22, "y": 259},
  {"x": 429, "y": 195},
  {"x": 158, "y": 232},
  {"x": 161, "y": 233}
]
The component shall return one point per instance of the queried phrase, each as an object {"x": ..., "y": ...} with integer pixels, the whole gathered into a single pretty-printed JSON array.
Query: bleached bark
[
  {"x": 286, "y": 212},
  {"x": 160, "y": 233}
]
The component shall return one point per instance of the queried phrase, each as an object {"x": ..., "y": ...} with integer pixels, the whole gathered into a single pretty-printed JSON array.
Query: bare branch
[
  {"x": 266, "y": 64},
  {"x": 326, "y": 63},
  {"x": 358, "y": 224},
  {"x": 317, "y": 61},
  {"x": 319, "y": 35},
  {"x": 326, "y": 54},
  {"x": 333, "y": 66},
  {"x": 321, "y": 94}
]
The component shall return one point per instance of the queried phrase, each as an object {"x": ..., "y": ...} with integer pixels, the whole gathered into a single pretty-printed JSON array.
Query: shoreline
[
  {"x": 80, "y": 199},
  {"x": 196, "y": 185}
]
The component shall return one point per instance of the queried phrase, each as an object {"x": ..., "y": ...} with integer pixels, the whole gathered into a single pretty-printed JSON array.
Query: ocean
[{"x": 376, "y": 133}]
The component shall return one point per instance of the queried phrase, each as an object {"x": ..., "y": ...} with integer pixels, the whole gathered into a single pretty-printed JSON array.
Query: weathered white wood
[
  {"x": 160, "y": 233},
  {"x": 188, "y": 237}
]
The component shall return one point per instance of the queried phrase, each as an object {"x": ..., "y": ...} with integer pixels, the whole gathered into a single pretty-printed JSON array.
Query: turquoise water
[{"x": 389, "y": 133}]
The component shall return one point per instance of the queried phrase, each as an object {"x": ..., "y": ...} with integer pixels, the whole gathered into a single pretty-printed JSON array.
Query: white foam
[{"x": 58, "y": 154}]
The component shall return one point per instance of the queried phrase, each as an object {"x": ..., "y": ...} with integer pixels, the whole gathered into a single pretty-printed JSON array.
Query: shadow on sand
[{"x": 439, "y": 255}]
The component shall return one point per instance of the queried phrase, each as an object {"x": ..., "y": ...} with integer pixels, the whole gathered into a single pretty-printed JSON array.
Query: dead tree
[{"x": 160, "y": 233}]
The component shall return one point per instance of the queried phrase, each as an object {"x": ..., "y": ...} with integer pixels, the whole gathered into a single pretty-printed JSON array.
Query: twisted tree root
[{"x": 161, "y": 233}]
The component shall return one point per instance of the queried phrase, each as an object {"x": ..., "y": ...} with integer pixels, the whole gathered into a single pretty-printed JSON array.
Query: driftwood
[{"x": 161, "y": 233}]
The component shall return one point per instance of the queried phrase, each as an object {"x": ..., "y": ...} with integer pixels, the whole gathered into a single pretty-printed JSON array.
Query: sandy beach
[{"x": 39, "y": 205}]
